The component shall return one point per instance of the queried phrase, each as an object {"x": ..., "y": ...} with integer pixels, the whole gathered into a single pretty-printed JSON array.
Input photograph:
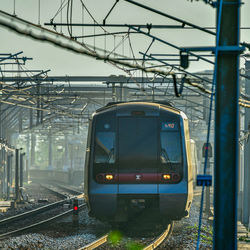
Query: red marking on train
[{"x": 139, "y": 178}]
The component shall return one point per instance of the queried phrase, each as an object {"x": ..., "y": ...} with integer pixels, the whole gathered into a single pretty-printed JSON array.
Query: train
[{"x": 138, "y": 160}]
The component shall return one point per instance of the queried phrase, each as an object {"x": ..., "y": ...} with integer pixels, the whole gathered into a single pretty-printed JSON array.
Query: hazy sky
[{"x": 62, "y": 62}]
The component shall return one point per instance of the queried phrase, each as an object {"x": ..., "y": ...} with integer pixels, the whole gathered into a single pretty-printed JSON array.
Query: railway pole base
[{"x": 75, "y": 221}]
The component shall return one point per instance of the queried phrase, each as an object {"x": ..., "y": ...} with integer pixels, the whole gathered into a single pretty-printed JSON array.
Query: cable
[
  {"x": 104, "y": 20},
  {"x": 131, "y": 48},
  {"x": 46, "y": 35},
  {"x": 62, "y": 6},
  {"x": 39, "y": 12},
  {"x": 82, "y": 23},
  {"x": 118, "y": 45},
  {"x": 68, "y": 27},
  {"x": 71, "y": 16},
  {"x": 30, "y": 96},
  {"x": 14, "y": 8},
  {"x": 69, "y": 46},
  {"x": 92, "y": 16},
  {"x": 176, "y": 91}
]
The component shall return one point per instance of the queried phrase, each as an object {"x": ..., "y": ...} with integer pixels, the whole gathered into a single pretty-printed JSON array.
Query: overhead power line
[
  {"x": 29, "y": 28},
  {"x": 183, "y": 22}
]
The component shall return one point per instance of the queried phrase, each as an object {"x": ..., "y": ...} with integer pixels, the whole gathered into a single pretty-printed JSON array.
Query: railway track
[
  {"x": 32, "y": 213},
  {"x": 37, "y": 224},
  {"x": 153, "y": 245},
  {"x": 159, "y": 240},
  {"x": 69, "y": 189},
  {"x": 53, "y": 188},
  {"x": 13, "y": 220}
]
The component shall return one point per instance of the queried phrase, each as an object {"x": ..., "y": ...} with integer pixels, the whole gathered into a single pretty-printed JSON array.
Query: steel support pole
[
  {"x": 8, "y": 175},
  {"x": 4, "y": 171},
  {"x": 113, "y": 93},
  {"x": 121, "y": 92},
  {"x": 17, "y": 176},
  {"x": 38, "y": 104},
  {"x": 226, "y": 130},
  {"x": 50, "y": 151},
  {"x": 21, "y": 169},
  {"x": 27, "y": 157},
  {"x": 207, "y": 208},
  {"x": 66, "y": 154},
  {"x": 20, "y": 122},
  {"x": 1, "y": 175},
  {"x": 11, "y": 170},
  {"x": 31, "y": 118},
  {"x": 32, "y": 150},
  {"x": 246, "y": 189}
]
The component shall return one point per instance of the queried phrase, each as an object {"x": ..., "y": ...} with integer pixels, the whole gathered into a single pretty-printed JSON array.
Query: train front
[{"x": 138, "y": 161}]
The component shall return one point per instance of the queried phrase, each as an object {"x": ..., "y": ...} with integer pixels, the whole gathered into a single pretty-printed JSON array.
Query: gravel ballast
[{"x": 63, "y": 235}]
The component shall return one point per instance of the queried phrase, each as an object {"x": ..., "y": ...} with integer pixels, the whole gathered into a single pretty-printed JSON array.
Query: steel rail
[
  {"x": 38, "y": 210},
  {"x": 161, "y": 238},
  {"x": 32, "y": 212},
  {"x": 41, "y": 223},
  {"x": 68, "y": 189},
  {"x": 102, "y": 240},
  {"x": 63, "y": 196},
  {"x": 96, "y": 243}
]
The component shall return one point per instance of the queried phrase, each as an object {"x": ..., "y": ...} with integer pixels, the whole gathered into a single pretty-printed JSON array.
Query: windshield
[
  {"x": 104, "y": 147},
  {"x": 170, "y": 147},
  {"x": 137, "y": 143}
]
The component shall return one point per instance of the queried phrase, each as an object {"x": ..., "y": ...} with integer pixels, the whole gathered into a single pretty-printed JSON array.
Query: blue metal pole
[
  {"x": 246, "y": 193},
  {"x": 226, "y": 130}
]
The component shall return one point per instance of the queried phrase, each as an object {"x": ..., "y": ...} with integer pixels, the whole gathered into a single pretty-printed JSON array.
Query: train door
[{"x": 137, "y": 154}]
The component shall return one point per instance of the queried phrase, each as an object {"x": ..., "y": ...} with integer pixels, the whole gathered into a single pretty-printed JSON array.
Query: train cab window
[
  {"x": 104, "y": 147},
  {"x": 170, "y": 147},
  {"x": 170, "y": 143}
]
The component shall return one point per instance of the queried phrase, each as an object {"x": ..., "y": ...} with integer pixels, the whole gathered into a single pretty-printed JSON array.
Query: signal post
[{"x": 75, "y": 217}]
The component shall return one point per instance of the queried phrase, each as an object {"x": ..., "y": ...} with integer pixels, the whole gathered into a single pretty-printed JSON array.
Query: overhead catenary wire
[
  {"x": 52, "y": 37},
  {"x": 39, "y": 12},
  {"x": 61, "y": 7},
  {"x": 131, "y": 48},
  {"x": 197, "y": 85},
  {"x": 69, "y": 17},
  {"x": 92, "y": 17},
  {"x": 14, "y": 7},
  {"x": 104, "y": 20},
  {"x": 55, "y": 110},
  {"x": 31, "y": 96},
  {"x": 183, "y": 22},
  {"x": 10, "y": 88},
  {"x": 82, "y": 23},
  {"x": 118, "y": 45}
]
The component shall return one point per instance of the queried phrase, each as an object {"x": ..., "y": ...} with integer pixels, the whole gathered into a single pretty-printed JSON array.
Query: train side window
[
  {"x": 104, "y": 147},
  {"x": 171, "y": 147}
]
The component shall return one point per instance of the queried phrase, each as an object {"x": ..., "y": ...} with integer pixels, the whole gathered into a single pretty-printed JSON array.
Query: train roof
[
  {"x": 163, "y": 104},
  {"x": 166, "y": 103}
]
